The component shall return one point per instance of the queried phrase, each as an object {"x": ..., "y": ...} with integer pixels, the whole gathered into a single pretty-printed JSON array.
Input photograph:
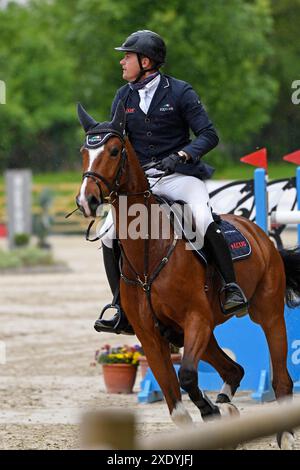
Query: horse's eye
[{"x": 114, "y": 151}]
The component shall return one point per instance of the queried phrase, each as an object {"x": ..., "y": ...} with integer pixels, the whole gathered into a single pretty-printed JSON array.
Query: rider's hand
[{"x": 168, "y": 164}]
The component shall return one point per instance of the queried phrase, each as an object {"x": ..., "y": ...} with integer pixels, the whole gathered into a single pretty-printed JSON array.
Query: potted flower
[
  {"x": 175, "y": 358},
  {"x": 119, "y": 365}
]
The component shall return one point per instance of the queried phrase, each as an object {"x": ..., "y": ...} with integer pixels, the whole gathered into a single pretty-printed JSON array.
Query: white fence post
[{"x": 2, "y": 92}]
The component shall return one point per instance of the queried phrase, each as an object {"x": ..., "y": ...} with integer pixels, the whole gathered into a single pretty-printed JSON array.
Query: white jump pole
[
  {"x": 290, "y": 217},
  {"x": 284, "y": 217},
  {"x": 294, "y": 157}
]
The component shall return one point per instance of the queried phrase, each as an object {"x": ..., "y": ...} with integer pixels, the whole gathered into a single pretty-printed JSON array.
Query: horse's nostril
[{"x": 93, "y": 203}]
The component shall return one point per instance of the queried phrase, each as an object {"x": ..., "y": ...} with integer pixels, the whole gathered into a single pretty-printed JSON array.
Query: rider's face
[{"x": 130, "y": 66}]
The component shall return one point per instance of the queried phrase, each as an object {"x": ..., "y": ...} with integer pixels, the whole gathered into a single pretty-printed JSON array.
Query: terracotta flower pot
[
  {"x": 119, "y": 378},
  {"x": 176, "y": 359}
]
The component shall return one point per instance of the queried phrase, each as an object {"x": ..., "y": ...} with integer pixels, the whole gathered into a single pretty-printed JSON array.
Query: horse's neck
[
  {"x": 135, "y": 181},
  {"x": 135, "y": 178}
]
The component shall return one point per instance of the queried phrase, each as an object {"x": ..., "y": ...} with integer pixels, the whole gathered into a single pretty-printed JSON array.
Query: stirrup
[
  {"x": 240, "y": 309},
  {"x": 118, "y": 324}
]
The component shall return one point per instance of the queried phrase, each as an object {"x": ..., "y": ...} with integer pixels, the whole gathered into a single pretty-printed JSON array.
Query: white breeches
[{"x": 176, "y": 187}]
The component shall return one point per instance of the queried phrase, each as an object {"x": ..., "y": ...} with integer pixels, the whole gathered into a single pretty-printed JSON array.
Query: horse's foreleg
[
  {"x": 231, "y": 372},
  {"x": 196, "y": 337},
  {"x": 158, "y": 355}
]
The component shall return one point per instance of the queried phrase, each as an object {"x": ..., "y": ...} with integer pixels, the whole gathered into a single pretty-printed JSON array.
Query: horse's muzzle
[{"x": 92, "y": 202}]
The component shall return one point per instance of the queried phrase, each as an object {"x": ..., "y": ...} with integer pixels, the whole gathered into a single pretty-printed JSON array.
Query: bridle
[
  {"x": 114, "y": 187},
  {"x": 97, "y": 178}
]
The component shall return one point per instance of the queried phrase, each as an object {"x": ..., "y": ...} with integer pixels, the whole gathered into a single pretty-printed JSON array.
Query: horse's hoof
[
  {"x": 228, "y": 410},
  {"x": 286, "y": 440},
  {"x": 222, "y": 398}
]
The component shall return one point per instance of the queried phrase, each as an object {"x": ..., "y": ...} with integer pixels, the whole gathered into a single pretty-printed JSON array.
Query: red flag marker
[
  {"x": 258, "y": 158},
  {"x": 293, "y": 157}
]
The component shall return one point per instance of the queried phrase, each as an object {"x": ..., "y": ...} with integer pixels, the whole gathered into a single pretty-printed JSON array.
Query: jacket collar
[{"x": 160, "y": 93}]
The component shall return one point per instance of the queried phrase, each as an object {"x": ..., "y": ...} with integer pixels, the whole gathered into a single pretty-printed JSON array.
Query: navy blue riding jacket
[{"x": 175, "y": 109}]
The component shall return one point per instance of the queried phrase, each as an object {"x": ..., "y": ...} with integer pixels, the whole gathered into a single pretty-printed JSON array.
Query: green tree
[
  {"x": 281, "y": 135},
  {"x": 36, "y": 122},
  {"x": 53, "y": 54},
  {"x": 221, "y": 48}
]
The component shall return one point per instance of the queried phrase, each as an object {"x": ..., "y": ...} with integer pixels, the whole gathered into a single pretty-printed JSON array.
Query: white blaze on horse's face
[{"x": 93, "y": 154}]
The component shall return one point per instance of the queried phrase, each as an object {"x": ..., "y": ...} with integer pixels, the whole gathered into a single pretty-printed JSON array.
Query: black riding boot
[
  {"x": 234, "y": 298},
  {"x": 118, "y": 323}
]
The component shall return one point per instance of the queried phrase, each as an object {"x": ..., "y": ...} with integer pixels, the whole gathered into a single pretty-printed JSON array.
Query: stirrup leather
[{"x": 238, "y": 309}]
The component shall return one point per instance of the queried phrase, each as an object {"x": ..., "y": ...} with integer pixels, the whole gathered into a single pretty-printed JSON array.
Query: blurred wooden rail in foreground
[{"x": 114, "y": 429}]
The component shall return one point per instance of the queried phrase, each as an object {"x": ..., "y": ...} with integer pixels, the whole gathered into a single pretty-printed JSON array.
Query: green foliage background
[{"x": 240, "y": 55}]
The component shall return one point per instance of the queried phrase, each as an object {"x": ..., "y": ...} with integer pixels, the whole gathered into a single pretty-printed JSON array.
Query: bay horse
[{"x": 163, "y": 283}]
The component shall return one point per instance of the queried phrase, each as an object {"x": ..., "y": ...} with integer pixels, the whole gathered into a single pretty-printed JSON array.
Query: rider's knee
[
  {"x": 108, "y": 242},
  {"x": 108, "y": 238}
]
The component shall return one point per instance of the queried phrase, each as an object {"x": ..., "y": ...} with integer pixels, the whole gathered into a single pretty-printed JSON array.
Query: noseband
[{"x": 96, "y": 177}]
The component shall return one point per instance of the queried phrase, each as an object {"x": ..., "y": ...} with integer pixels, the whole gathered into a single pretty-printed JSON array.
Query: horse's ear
[
  {"x": 85, "y": 119},
  {"x": 119, "y": 119}
]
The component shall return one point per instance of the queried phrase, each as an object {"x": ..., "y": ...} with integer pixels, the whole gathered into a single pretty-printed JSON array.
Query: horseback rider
[{"x": 160, "y": 111}]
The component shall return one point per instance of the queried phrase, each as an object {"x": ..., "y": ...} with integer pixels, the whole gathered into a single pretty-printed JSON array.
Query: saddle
[{"x": 238, "y": 244}]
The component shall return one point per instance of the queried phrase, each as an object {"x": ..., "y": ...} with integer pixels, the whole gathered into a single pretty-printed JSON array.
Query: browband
[{"x": 96, "y": 139}]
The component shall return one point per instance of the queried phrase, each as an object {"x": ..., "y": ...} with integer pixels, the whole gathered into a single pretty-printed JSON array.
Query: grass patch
[
  {"x": 241, "y": 171},
  {"x": 58, "y": 178},
  {"x": 235, "y": 171},
  {"x": 25, "y": 257}
]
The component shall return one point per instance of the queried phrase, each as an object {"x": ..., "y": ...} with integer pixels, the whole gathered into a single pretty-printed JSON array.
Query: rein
[{"x": 148, "y": 280}]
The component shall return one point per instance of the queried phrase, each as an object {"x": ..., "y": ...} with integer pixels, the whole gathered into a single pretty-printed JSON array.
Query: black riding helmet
[{"x": 146, "y": 43}]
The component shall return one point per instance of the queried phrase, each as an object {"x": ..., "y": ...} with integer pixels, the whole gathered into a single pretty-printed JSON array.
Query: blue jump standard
[
  {"x": 150, "y": 390},
  {"x": 292, "y": 316}
]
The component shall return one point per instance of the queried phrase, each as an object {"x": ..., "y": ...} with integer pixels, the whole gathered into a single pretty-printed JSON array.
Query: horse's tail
[{"x": 291, "y": 260}]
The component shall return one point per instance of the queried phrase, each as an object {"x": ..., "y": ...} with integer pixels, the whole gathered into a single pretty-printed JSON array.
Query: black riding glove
[{"x": 168, "y": 164}]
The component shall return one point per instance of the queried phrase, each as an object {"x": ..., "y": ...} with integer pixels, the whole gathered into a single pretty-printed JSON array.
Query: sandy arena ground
[{"x": 48, "y": 380}]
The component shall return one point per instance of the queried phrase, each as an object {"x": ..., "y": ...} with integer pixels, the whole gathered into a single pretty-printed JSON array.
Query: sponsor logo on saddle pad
[{"x": 238, "y": 244}]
